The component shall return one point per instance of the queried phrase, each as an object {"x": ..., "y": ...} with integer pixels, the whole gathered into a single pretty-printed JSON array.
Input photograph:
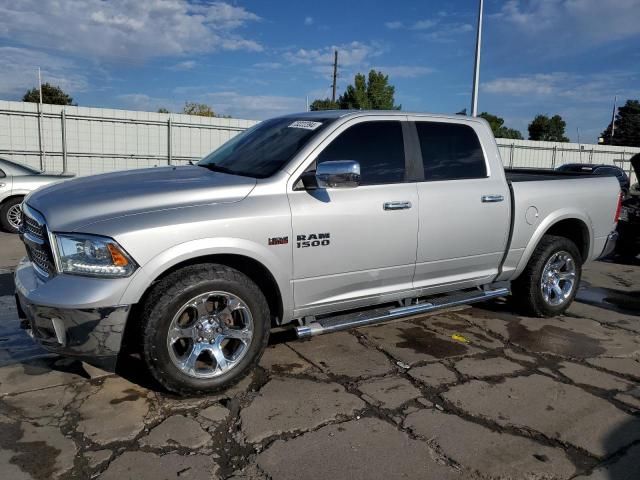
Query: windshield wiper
[{"x": 217, "y": 168}]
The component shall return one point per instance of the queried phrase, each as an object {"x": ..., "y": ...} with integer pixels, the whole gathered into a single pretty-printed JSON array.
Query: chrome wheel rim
[
  {"x": 210, "y": 334},
  {"x": 558, "y": 278},
  {"x": 14, "y": 216}
]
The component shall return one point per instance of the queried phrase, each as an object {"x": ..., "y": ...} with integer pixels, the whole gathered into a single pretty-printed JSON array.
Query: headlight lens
[{"x": 93, "y": 255}]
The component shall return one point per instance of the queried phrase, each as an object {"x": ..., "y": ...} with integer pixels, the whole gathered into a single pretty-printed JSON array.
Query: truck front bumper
[{"x": 92, "y": 334}]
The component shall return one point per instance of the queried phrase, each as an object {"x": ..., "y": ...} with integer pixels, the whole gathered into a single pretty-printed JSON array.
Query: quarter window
[
  {"x": 376, "y": 145},
  {"x": 450, "y": 151}
]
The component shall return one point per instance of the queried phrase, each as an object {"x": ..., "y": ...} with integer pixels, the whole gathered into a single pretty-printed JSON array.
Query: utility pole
[
  {"x": 476, "y": 67},
  {"x": 335, "y": 75},
  {"x": 613, "y": 116},
  {"x": 40, "y": 126}
]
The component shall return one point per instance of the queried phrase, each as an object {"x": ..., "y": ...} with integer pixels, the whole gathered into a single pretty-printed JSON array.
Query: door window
[
  {"x": 376, "y": 145},
  {"x": 450, "y": 151}
]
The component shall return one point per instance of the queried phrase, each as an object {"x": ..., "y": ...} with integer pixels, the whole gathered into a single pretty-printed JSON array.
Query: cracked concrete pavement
[{"x": 469, "y": 393}]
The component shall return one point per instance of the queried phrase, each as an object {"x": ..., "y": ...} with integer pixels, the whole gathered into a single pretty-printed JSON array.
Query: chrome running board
[{"x": 381, "y": 315}]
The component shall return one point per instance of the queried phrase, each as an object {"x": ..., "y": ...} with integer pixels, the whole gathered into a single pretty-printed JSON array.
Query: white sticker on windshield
[{"x": 306, "y": 124}]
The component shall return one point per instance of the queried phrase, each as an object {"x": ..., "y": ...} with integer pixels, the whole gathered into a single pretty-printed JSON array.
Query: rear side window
[
  {"x": 2, "y": 174},
  {"x": 450, "y": 151},
  {"x": 377, "y": 146}
]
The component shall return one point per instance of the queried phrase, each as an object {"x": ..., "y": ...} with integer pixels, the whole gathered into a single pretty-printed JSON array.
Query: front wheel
[
  {"x": 204, "y": 328},
  {"x": 549, "y": 283},
  {"x": 11, "y": 215}
]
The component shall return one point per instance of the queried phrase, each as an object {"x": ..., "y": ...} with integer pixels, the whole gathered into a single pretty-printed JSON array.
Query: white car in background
[{"x": 16, "y": 181}]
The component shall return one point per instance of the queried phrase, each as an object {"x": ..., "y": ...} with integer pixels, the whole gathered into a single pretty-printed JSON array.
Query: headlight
[{"x": 92, "y": 255}]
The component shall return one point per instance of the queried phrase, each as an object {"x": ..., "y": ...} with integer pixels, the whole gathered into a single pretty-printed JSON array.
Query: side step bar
[{"x": 381, "y": 315}]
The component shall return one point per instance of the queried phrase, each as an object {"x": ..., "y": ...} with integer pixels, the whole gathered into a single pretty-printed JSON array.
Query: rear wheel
[
  {"x": 11, "y": 215},
  {"x": 549, "y": 283},
  {"x": 204, "y": 327}
]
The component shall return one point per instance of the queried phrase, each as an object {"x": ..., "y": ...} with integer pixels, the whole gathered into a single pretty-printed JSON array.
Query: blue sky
[{"x": 255, "y": 59}]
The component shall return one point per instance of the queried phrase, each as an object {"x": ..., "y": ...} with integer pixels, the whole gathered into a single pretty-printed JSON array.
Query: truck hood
[{"x": 70, "y": 205}]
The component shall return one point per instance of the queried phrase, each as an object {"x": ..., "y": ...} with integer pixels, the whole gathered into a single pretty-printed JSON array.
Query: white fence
[
  {"x": 527, "y": 153},
  {"x": 85, "y": 140}
]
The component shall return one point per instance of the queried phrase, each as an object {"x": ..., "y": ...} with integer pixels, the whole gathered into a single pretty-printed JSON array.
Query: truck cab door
[
  {"x": 355, "y": 246},
  {"x": 464, "y": 206}
]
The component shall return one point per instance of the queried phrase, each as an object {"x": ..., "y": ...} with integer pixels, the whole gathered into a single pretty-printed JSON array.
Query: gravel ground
[{"x": 508, "y": 397}]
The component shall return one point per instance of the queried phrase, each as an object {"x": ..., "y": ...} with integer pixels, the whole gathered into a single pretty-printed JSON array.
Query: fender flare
[{"x": 549, "y": 221}]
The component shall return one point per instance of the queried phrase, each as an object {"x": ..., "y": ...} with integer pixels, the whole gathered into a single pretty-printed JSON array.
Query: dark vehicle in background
[
  {"x": 629, "y": 223},
  {"x": 619, "y": 173}
]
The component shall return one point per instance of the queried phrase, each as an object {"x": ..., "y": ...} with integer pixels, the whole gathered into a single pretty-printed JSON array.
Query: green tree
[
  {"x": 324, "y": 104},
  {"x": 201, "y": 109},
  {"x": 548, "y": 129},
  {"x": 367, "y": 93},
  {"x": 627, "y": 122},
  {"x": 51, "y": 94},
  {"x": 372, "y": 93},
  {"x": 498, "y": 128},
  {"x": 163, "y": 110}
]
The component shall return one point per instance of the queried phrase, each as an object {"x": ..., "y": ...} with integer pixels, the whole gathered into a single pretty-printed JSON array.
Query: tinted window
[
  {"x": 450, "y": 151},
  {"x": 265, "y": 148},
  {"x": 377, "y": 146},
  {"x": 2, "y": 174}
]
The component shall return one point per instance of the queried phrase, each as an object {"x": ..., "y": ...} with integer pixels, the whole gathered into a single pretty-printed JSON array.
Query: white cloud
[
  {"x": 396, "y": 25},
  {"x": 126, "y": 30},
  {"x": 585, "y": 22},
  {"x": 563, "y": 86},
  {"x": 538, "y": 84},
  {"x": 254, "y": 106},
  {"x": 186, "y": 65},
  {"x": 354, "y": 54},
  {"x": 18, "y": 67},
  {"x": 433, "y": 28},
  {"x": 404, "y": 71},
  {"x": 308, "y": 20},
  {"x": 424, "y": 24},
  {"x": 268, "y": 65}
]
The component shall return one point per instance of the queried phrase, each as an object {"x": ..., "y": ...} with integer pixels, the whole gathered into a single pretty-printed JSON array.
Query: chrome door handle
[
  {"x": 3, "y": 185},
  {"x": 492, "y": 198},
  {"x": 396, "y": 205}
]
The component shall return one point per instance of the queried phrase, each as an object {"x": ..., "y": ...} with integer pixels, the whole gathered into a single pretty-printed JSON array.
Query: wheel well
[
  {"x": 253, "y": 269},
  {"x": 574, "y": 230},
  {"x": 11, "y": 197}
]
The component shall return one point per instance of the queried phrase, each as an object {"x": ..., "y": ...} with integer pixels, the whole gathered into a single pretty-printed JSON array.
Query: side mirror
[{"x": 338, "y": 174}]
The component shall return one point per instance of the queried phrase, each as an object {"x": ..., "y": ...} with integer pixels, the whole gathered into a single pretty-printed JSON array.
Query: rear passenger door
[
  {"x": 464, "y": 206},
  {"x": 355, "y": 246}
]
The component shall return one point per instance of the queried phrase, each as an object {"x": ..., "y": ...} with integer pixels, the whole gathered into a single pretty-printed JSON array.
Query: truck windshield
[{"x": 265, "y": 148}]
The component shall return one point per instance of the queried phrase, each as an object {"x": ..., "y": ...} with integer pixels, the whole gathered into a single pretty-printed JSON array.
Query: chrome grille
[
  {"x": 32, "y": 226},
  {"x": 40, "y": 258},
  {"x": 36, "y": 240}
]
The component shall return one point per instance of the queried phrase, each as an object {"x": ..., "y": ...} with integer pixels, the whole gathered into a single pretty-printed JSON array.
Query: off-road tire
[
  {"x": 166, "y": 298},
  {"x": 4, "y": 215},
  {"x": 526, "y": 293}
]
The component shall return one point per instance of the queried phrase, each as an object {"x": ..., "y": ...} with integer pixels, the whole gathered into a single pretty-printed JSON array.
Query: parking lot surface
[{"x": 468, "y": 393}]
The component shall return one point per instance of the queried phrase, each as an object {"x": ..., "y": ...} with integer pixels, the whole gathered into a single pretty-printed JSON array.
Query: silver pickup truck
[{"x": 321, "y": 221}]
